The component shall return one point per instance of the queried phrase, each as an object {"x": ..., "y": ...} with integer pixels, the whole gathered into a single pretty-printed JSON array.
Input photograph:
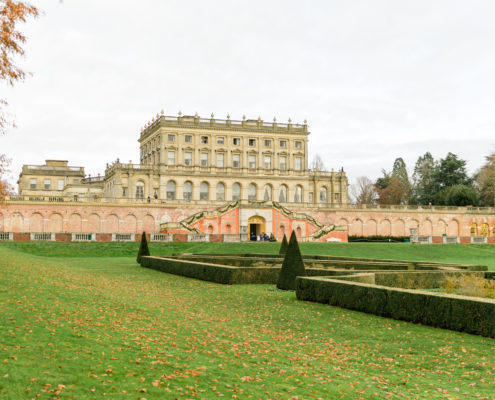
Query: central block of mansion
[{"x": 205, "y": 161}]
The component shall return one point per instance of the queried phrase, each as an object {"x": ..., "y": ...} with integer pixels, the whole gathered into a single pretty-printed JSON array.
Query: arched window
[
  {"x": 170, "y": 190},
  {"x": 204, "y": 189},
  {"x": 323, "y": 195},
  {"x": 187, "y": 191},
  {"x": 139, "y": 190},
  {"x": 252, "y": 191},
  {"x": 236, "y": 192},
  {"x": 282, "y": 194},
  {"x": 298, "y": 194},
  {"x": 220, "y": 191},
  {"x": 267, "y": 193}
]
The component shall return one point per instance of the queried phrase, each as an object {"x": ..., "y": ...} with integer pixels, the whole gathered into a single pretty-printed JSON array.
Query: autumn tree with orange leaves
[{"x": 12, "y": 13}]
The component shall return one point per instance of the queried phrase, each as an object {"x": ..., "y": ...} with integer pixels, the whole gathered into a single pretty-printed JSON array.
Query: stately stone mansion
[
  {"x": 191, "y": 159},
  {"x": 217, "y": 178}
]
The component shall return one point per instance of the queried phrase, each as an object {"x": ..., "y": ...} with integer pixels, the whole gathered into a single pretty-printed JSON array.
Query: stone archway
[{"x": 257, "y": 225}]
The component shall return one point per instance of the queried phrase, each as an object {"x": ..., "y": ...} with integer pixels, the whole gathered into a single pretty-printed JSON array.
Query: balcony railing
[{"x": 90, "y": 198}]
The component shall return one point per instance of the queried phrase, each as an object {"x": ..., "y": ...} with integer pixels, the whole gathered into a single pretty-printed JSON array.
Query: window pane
[
  {"x": 236, "y": 160},
  {"x": 171, "y": 138},
  {"x": 47, "y": 184},
  {"x": 203, "y": 191},
  {"x": 298, "y": 194},
  {"x": 283, "y": 163},
  {"x": 188, "y": 139},
  {"x": 252, "y": 192},
  {"x": 283, "y": 143},
  {"x": 32, "y": 183},
  {"x": 282, "y": 195},
  {"x": 268, "y": 143},
  {"x": 204, "y": 139},
  {"x": 171, "y": 190},
  {"x": 204, "y": 159},
  {"x": 187, "y": 191},
  {"x": 267, "y": 195},
  {"x": 236, "y": 192},
  {"x": 252, "y": 161},
  {"x": 139, "y": 190},
  {"x": 219, "y": 160},
  {"x": 323, "y": 195},
  {"x": 171, "y": 157},
  {"x": 220, "y": 140},
  {"x": 188, "y": 158},
  {"x": 220, "y": 191},
  {"x": 268, "y": 162},
  {"x": 298, "y": 145},
  {"x": 298, "y": 164}
]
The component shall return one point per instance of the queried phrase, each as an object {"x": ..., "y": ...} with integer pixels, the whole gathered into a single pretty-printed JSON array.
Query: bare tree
[
  {"x": 364, "y": 191},
  {"x": 317, "y": 164}
]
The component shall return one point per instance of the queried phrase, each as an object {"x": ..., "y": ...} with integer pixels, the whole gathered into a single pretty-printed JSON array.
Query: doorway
[{"x": 256, "y": 225}]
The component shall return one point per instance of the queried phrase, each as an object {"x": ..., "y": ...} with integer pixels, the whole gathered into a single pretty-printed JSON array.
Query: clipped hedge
[
  {"x": 459, "y": 313},
  {"x": 212, "y": 272}
]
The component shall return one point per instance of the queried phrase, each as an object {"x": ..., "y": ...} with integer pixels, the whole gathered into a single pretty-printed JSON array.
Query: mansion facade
[{"x": 188, "y": 159}]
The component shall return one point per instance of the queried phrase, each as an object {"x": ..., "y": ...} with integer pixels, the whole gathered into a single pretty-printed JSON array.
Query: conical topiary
[
  {"x": 283, "y": 246},
  {"x": 292, "y": 266},
  {"x": 143, "y": 248}
]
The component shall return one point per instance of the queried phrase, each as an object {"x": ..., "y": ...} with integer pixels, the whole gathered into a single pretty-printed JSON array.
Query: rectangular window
[
  {"x": 139, "y": 192},
  {"x": 188, "y": 158},
  {"x": 236, "y": 141},
  {"x": 188, "y": 139},
  {"x": 252, "y": 162},
  {"x": 268, "y": 162},
  {"x": 268, "y": 143},
  {"x": 60, "y": 184},
  {"x": 283, "y": 143},
  {"x": 171, "y": 138},
  {"x": 47, "y": 183},
  {"x": 336, "y": 197},
  {"x": 32, "y": 183},
  {"x": 283, "y": 163},
  {"x": 220, "y": 158},
  {"x": 171, "y": 158},
  {"x": 204, "y": 159},
  {"x": 204, "y": 139},
  {"x": 236, "y": 160},
  {"x": 298, "y": 144},
  {"x": 252, "y": 142},
  {"x": 310, "y": 197},
  {"x": 155, "y": 193},
  {"x": 220, "y": 140},
  {"x": 124, "y": 192},
  {"x": 298, "y": 164}
]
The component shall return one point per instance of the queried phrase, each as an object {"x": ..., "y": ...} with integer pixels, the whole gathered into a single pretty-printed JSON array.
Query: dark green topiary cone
[
  {"x": 143, "y": 248},
  {"x": 283, "y": 246},
  {"x": 292, "y": 266}
]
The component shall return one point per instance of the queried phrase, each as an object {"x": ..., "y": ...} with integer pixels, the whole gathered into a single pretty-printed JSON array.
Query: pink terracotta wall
[{"x": 91, "y": 218}]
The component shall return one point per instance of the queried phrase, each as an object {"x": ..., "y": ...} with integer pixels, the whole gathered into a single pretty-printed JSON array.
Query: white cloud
[{"x": 376, "y": 80}]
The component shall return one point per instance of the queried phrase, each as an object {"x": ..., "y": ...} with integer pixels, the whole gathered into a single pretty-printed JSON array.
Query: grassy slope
[
  {"x": 463, "y": 254},
  {"x": 105, "y": 327}
]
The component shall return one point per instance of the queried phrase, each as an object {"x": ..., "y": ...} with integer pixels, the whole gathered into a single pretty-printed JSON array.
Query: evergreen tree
[
  {"x": 451, "y": 171},
  {"x": 292, "y": 266},
  {"x": 143, "y": 248},
  {"x": 423, "y": 190},
  {"x": 461, "y": 195},
  {"x": 283, "y": 246}
]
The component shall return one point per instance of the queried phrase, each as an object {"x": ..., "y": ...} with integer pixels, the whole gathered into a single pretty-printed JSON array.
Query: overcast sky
[{"x": 376, "y": 80}]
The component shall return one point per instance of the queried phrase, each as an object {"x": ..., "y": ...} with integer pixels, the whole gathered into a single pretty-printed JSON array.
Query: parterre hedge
[{"x": 459, "y": 313}]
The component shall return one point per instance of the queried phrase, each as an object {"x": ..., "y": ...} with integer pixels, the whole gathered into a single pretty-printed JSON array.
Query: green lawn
[
  {"x": 88, "y": 322},
  {"x": 452, "y": 253}
]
